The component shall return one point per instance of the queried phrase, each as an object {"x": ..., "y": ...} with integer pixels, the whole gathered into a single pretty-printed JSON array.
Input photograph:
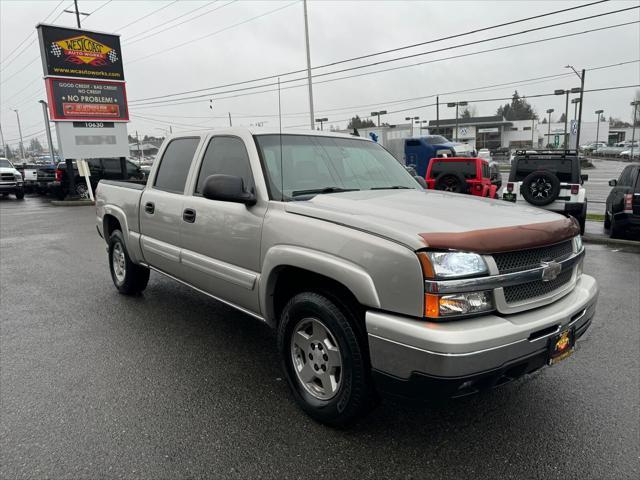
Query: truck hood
[
  {"x": 8, "y": 170},
  {"x": 430, "y": 218}
]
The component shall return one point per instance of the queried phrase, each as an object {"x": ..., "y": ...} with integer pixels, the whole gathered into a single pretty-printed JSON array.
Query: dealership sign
[
  {"x": 87, "y": 100},
  {"x": 86, "y": 91},
  {"x": 68, "y": 52}
]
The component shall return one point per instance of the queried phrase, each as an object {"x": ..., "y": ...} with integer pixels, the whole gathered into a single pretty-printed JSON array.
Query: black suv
[
  {"x": 622, "y": 211},
  {"x": 549, "y": 179},
  {"x": 100, "y": 169}
]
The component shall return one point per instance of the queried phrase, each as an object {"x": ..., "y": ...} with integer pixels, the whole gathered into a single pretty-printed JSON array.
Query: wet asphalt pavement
[{"x": 175, "y": 385}]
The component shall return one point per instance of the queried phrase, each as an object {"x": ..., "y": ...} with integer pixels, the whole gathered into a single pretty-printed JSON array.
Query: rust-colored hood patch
[{"x": 504, "y": 239}]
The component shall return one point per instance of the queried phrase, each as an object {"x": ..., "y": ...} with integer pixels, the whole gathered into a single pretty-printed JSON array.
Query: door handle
[
  {"x": 149, "y": 207},
  {"x": 189, "y": 215}
]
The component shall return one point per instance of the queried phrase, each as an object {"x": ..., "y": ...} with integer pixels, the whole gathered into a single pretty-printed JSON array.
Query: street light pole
[
  {"x": 309, "y": 81},
  {"x": 633, "y": 132},
  {"x": 20, "y": 132},
  {"x": 549, "y": 111},
  {"x": 321, "y": 122},
  {"x": 457, "y": 104},
  {"x": 47, "y": 129},
  {"x": 377, "y": 114},
  {"x": 598, "y": 113},
  {"x": 4, "y": 147},
  {"x": 566, "y": 114}
]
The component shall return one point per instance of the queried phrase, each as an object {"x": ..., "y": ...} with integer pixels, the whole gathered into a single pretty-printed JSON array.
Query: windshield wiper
[
  {"x": 316, "y": 191},
  {"x": 393, "y": 187}
]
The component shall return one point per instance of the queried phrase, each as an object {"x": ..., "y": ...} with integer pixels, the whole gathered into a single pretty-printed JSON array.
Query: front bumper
[
  {"x": 406, "y": 353},
  {"x": 9, "y": 187}
]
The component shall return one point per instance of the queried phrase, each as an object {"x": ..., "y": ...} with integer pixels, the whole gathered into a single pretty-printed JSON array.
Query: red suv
[{"x": 461, "y": 175}]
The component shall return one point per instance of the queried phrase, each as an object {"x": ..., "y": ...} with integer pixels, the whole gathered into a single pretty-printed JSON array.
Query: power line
[
  {"x": 32, "y": 33},
  {"x": 134, "y": 40},
  {"x": 214, "y": 33},
  {"x": 271, "y": 77},
  {"x": 145, "y": 16},
  {"x": 100, "y": 7},
  {"x": 146, "y": 103}
]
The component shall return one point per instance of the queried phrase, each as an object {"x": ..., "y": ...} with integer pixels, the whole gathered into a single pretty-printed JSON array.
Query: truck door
[
  {"x": 221, "y": 240},
  {"x": 161, "y": 206}
]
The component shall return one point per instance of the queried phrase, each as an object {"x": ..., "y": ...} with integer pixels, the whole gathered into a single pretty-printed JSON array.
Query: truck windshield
[
  {"x": 436, "y": 140},
  {"x": 312, "y": 165},
  {"x": 5, "y": 163}
]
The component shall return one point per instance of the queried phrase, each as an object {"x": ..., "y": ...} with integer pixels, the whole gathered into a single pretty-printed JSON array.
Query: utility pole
[
  {"x": 4, "y": 147},
  {"x": 598, "y": 113},
  {"x": 20, "y": 132},
  {"x": 230, "y": 124},
  {"x": 549, "y": 111},
  {"x": 633, "y": 132},
  {"x": 581, "y": 101},
  {"x": 75, "y": 3},
  {"x": 306, "y": 36},
  {"x": 47, "y": 129},
  {"x": 139, "y": 149},
  {"x": 438, "y": 114}
]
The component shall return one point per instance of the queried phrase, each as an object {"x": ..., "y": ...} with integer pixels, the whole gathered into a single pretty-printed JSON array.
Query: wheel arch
[{"x": 288, "y": 270}]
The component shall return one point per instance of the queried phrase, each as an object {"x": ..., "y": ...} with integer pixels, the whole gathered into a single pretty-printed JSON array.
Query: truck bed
[{"x": 123, "y": 196}]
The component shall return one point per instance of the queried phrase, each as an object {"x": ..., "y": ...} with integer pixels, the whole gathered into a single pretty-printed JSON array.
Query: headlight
[
  {"x": 452, "y": 264},
  {"x": 457, "y": 304},
  {"x": 17, "y": 176},
  {"x": 577, "y": 244}
]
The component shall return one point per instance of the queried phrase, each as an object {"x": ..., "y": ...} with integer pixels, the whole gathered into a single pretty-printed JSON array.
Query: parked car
[
  {"x": 622, "y": 210},
  {"x": 29, "y": 174},
  {"x": 626, "y": 154},
  {"x": 485, "y": 154},
  {"x": 593, "y": 146},
  {"x": 100, "y": 168},
  {"x": 549, "y": 179},
  {"x": 11, "y": 181},
  {"x": 461, "y": 175},
  {"x": 373, "y": 284}
]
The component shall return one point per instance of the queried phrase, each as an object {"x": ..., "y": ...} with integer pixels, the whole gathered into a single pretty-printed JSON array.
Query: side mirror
[
  {"x": 584, "y": 178},
  {"x": 613, "y": 183},
  {"x": 227, "y": 188},
  {"x": 421, "y": 181}
]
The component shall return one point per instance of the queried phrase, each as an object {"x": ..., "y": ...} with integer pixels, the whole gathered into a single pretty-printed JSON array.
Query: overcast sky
[{"x": 246, "y": 48}]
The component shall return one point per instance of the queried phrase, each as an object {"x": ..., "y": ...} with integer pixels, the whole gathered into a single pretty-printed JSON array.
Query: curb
[
  {"x": 72, "y": 203},
  {"x": 603, "y": 240}
]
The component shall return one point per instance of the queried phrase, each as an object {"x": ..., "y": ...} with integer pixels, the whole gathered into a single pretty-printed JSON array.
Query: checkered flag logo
[
  {"x": 113, "y": 56},
  {"x": 56, "y": 50}
]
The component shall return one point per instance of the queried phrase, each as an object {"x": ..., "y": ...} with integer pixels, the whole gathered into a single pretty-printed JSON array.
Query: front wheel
[
  {"x": 325, "y": 363},
  {"x": 20, "y": 194},
  {"x": 129, "y": 278}
]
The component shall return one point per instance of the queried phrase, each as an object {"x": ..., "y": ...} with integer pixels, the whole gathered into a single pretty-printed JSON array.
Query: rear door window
[
  {"x": 467, "y": 168},
  {"x": 560, "y": 167},
  {"x": 175, "y": 163}
]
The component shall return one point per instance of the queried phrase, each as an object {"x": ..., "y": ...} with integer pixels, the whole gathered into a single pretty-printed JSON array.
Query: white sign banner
[{"x": 92, "y": 139}]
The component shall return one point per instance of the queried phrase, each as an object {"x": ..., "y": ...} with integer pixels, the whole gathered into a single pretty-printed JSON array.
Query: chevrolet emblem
[{"x": 550, "y": 270}]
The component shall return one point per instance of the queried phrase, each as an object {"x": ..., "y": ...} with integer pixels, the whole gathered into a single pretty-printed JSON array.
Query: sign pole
[
  {"x": 48, "y": 130},
  {"x": 75, "y": 3}
]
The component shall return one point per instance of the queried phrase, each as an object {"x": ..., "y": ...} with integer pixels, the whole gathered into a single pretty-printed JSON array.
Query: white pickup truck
[{"x": 373, "y": 284}]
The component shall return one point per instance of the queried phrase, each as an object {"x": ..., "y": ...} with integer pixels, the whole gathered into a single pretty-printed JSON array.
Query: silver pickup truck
[{"x": 373, "y": 284}]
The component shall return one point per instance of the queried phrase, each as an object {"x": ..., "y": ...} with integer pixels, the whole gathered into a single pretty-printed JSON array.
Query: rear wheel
[
  {"x": 81, "y": 190},
  {"x": 615, "y": 231},
  {"x": 451, "y": 182},
  {"x": 323, "y": 357},
  {"x": 607, "y": 221},
  {"x": 20, "y": 194},
  {"x": 128, "y": 277}
]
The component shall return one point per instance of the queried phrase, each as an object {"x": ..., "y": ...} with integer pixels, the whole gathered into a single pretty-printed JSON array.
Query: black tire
[
  {"x": 607, "y": 221},
  {"x": 540, "y": 188},
  {"x": 81, "y": 189},
  {"x": 135, "y": 277},
  {"x": 582, "y": 220},
  {"x": 20, "y": 194},
  {"x": 354, "y": 395},
  {"x": 451, "y": 182},
  {"x": 615, "y": 231}
]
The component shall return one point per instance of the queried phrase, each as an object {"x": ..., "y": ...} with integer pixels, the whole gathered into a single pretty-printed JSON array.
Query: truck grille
[
  {"x": 527, "y": 259},
  {"x": 531, "y": 290},
  {"x": 7, "y": 177}
]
